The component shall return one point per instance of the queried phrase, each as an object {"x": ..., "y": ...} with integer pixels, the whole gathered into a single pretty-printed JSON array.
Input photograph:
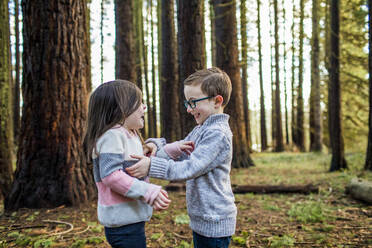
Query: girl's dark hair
[{"x": 110, "y": 104}]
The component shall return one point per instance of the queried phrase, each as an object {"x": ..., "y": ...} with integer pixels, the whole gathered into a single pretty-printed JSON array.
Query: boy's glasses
[{"x": 192, "y": 103}]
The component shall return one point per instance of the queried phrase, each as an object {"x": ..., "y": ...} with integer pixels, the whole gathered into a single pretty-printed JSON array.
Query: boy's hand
[
  {"x": 187, "y": 146},
  {"x": 141, "y": 168},
  {"x": 162, "y": 201},
  {"x": 150, "y": 149}
]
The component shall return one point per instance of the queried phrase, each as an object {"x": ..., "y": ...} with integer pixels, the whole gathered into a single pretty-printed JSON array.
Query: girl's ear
[{"x": 219, "y": 100}]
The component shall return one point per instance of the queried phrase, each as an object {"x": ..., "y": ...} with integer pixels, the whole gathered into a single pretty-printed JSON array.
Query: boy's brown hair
[{"x": 213, "y": 82}]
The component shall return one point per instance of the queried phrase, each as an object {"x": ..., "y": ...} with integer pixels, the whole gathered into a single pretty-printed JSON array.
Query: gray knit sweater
[{"x": 210, "y": 200}]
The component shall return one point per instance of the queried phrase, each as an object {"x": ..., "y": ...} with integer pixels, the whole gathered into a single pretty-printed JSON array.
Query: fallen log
[
  {"x": 259, "y": 189},
  {"x": 282, "y": 189},
  {"x": 360, "y": 189}
]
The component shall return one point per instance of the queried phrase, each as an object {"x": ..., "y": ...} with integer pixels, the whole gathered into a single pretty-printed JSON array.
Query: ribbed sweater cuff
[
  {"x": 158, "y": 168},
  {"x": 213, "y": 229}
]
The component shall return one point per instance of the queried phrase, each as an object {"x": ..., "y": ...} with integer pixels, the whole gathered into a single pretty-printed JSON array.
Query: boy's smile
[{"x": 203, "y": 108}]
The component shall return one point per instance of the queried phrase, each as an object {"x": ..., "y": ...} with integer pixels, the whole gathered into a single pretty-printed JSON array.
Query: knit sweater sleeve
[
  {"x": 212, "y": 149},
  {"x": 111, "y": 157}
]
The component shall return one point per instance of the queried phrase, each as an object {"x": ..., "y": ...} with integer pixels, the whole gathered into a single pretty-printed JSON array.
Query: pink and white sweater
[{"x": 122, "y": 199}]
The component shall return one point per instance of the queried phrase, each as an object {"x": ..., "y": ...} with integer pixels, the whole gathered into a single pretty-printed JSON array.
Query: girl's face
[{"x": 136, "y": 119}]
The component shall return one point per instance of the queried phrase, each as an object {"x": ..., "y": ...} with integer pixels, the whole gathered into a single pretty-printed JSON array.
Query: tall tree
[
  {"x": 191, "y": 48},
  {"x": 300, "y": 134},
  {"x": 138, "y": 33},
  {"x": 153, "y": 73},
  {"x": 293, "y": 71},
  {"x": 17, "y": 82},
  {"x": 315, "y": 114},
  {"x": 6, "y": 128},
  {"x": 227, "y": 60},
  {"x": 125, "y": 64},
  {"x": 262, "y": 95},
  {"x": 170, "y": 127},
  {"x": 244, "y": 65},
  {"x": 285, "y": 75},
  {"x": 278, "y": 115},
  {"x": 51, "y": 169},
  {"x": 334, "y": 92},
  {"x": 273, "y": 106},
  {"x": 368, "y": 164}
]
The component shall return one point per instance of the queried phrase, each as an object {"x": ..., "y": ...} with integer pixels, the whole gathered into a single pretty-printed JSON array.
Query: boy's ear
[{"x": 219, "y": 100}]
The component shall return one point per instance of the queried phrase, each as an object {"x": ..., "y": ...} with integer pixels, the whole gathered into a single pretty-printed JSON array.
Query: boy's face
[{"x": 203, "y": 108}]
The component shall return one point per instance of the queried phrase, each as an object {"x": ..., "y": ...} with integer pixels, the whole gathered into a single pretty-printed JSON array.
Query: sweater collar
[{"x": 216, "y": 118}]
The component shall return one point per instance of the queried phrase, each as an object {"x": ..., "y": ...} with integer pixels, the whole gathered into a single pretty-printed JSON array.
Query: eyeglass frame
[{"x": 192, "y": 103}]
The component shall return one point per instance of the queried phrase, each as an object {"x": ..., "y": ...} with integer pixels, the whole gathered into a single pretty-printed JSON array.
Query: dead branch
[{"x": 60, "y": 222}]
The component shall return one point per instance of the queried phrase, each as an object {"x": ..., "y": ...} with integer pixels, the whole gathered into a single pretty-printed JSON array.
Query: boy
[{"x": 209, "y": 197}]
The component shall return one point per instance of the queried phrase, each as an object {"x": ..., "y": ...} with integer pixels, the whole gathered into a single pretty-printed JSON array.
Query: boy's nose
[{"x": 189, "y": 109}]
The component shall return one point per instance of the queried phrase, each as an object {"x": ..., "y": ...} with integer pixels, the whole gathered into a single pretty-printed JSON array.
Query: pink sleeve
[
  {"x": 118, "y": 181},
  {"x": 173, "y": 150}
]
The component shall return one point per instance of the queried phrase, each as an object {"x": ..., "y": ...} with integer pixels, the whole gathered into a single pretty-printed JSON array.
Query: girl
[{"x": 124, "y": 203}]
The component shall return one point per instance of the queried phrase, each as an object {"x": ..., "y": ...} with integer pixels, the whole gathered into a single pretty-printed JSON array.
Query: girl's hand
[
  {"x": 141, "y": 168},
  {"x": 187, "y": 146},
  {"x": 150, "y": 149},
  {"x": 162, "y": 201}
]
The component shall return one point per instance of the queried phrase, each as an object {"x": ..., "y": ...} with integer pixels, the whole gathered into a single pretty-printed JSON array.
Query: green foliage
[
  {"x": 182, "y": 219},
  {"x": 270, "y": 207},
  {"x": 308, "y": 212},
  {"x": 95, "y": 227},
  {"x": 184, "y": 244},
  {"x": 48, "y": 242},
  {"x": 80, "y": 243},
  {"x": 155, "y": 236},
  {"x": 284, "y": 241},
  {"x": 238, "y": 240}
]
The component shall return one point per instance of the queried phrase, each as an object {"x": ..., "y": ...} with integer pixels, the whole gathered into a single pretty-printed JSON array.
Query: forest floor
[{"x": 329, "y": 218}]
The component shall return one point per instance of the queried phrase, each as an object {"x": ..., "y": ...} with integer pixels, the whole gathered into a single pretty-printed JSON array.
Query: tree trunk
[
  {"x": 368, "y": 164},
  {"x": 102, "y": 37},
  {"x": 273, "y": 107},
  {"x": 315, "y": 112},
  {"x": 244, "y": 63},
  {"x": 6, "y": 128},
  {"x": 360, "y": 190},
  {"x": 262, "y": 96},
  {"x": 170, "y": 128},
  {"x": 51, "y": 169},
  {"x": 227, "y": 60},
  {"x": 300, "y": 137},
  {"x": 153, "y": 73},
  {"x": 17, "y": 82},
  {"x": 138, "y": 33},
  {"x": 125, "y": 65},
  {"x": 334, "y": 93},
  {"x": 293, "y": 96},
  {"x": 213, "y": 39},
  {"x": 279, "y": 147},
  {"x": 285, "y": 76},
  {"x": 191, "y": 49}
]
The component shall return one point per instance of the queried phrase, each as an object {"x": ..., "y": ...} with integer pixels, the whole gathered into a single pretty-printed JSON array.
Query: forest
[{"x": 300, "y": 112}]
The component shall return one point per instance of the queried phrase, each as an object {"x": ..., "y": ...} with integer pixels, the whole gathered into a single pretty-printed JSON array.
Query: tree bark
[
  {"x": 125, "y": 65},
  {"x": 285, "y": 75},
  {"x": 338, "y": 161},
  {"x": 315, "y": 112},
  {"x": 6, "y": 128},
  {"x": 300, "y": 136},
  {"x": 293, "y": 96},
  {"x": 51, "y": 169},
  {"x": 153, "y": 73},
  {"x": 191, "y": 49},
  {"x": 279, "y": 147},
  {"x": 170, "y": 127},
  {"x": 17, "y": 82},
  {"x": 227, "y": 60},
  {"x": 368, "y": 163},
  {"x": 262, "y": 95},
  {"x": 244, "y": 62}
]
